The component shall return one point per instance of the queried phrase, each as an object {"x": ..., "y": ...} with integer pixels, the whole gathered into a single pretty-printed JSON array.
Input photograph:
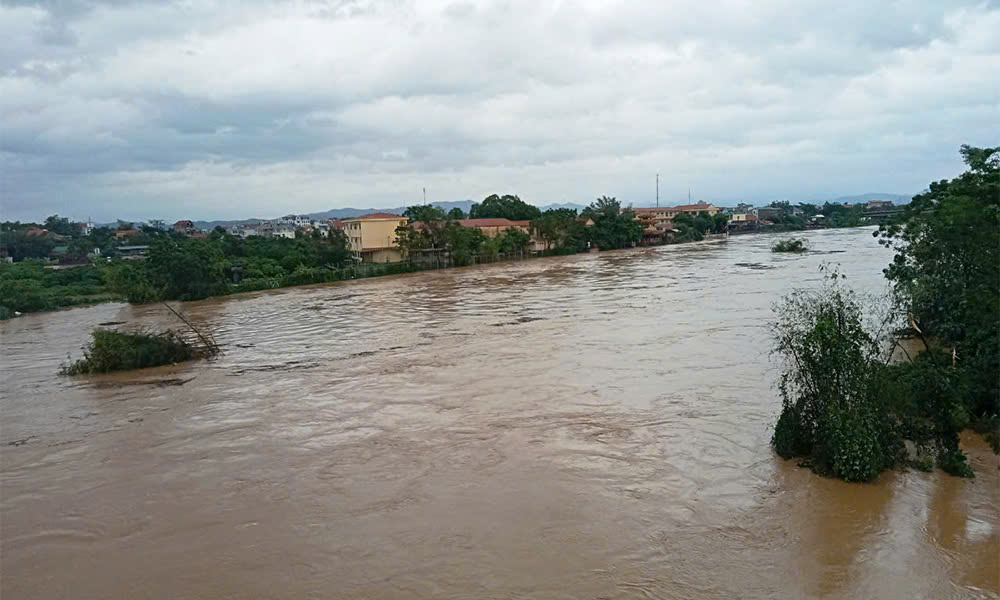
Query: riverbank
[{"x": 29, "y": 287}]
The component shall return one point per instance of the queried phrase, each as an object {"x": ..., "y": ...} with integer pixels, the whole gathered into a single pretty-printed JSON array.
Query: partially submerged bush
[
  {"x": 845, "y": 409},
  {"x": 831, "y": 412},
  {"x": 111, "y": 350},
  {"x": 790, "y": 245}
]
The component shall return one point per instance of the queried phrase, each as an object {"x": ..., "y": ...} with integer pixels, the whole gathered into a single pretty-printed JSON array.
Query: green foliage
[
  {"x": 61, "y": 226},
  {"x": 186, "y": 270},
  {"x": 946, "y": 271},
  {"x": 790, "y": 245},
  {"x": 111, "y": 350},
  {"x": 832, "y": 413},
  {"x": 846, "y": 409},
  {"x": 613, "y": 227},
  {"x": 504, "y": 207},
  {"x": 456, "y": 214},
  {"x": 29, "y": 287},
  {"x": 562, "y": 230},
  {"x": 425, "y": 212},
  {"x": 21, "y": 246}
]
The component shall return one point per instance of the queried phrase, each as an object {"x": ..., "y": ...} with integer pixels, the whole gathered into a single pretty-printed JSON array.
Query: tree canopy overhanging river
[{"x": 593, "y": 426}]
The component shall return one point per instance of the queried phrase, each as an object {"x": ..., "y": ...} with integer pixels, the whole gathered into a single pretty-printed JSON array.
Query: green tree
[
  {"x": 504, "y": 207},
  {"x": 613, "y": 227},
  {"x": 424, "y": 212},
  {"x": 187, "y": 270},
  {"x": 456, "y": 214},
  {"x": 946, "y": 272},
  {"x": 61, "y": 226},
  {"x": 832, "y": 410},
  {"x": 562, "y": 230}
]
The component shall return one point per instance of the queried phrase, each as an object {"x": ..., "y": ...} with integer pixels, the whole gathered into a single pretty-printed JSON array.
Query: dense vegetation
[
  {"x": 111, "y": 350},
  {"x": 504, "y": 207},
  {"x": 946, "y": 272},
  {"x": 844, "y": 407},
  {"x": 436, "y": 233},
  {"x": 790, "y": 245},
  {"x": 29, "y": 287},
  {"x": 613, "y": 227}
]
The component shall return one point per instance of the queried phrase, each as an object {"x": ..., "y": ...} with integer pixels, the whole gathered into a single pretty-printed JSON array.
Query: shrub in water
[
  {"x": 831, "y": 412},
  {"x": 111, "y": 350},
  {"x": 790, "y": 245}
]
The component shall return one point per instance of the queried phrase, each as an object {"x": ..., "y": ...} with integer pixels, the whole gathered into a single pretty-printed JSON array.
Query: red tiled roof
[
  {"x": 485, "y": 222},
  {"x": 184, "y": 223},
  {"x": 336, "y": 224},
  {"x": 521, "y": 223},
  {"x": 376, "y": 215}
]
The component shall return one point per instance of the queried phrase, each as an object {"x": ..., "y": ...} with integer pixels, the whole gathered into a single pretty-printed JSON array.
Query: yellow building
[
  {"x": 372, "y": 237},
  {"x": 665, "y": 213}
]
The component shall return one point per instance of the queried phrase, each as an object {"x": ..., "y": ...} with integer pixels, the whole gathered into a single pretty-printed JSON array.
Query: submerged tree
[{"x": 832, "y": 412}]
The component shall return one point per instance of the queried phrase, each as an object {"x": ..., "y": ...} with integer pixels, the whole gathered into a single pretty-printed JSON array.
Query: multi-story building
[
  {"x": 662, "y": 213},
  {"x": 372, "y": 237}
]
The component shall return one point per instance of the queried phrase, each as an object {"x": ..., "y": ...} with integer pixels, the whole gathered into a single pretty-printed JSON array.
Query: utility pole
[
  {"x": 657, "y": 190},
  {"x": 689, "y": 195},
  {"x": 425, "y": 195}
]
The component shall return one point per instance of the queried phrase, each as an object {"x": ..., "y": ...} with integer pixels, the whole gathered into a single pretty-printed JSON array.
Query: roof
[
  {"x": 374, "y": 216},
  {"x": 695, "y": 206},
  {"x": 486, "y": 222},
  {"x": 521, "y": 223},
  {"x": 183, "y": 223}
]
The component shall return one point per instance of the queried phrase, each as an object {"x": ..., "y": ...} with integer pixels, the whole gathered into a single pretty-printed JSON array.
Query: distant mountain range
[
  {"x": 465, "y": 205},
  {"x": 346, "y": 213},
  {"x": 872, "y": 197}
]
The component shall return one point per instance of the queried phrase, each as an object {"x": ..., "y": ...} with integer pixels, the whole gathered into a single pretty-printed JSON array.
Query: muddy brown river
[{"x": 592, "y": 426}]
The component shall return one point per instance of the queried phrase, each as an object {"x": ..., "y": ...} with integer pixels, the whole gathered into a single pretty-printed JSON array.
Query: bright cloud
[{"x": 223, "y": 109}]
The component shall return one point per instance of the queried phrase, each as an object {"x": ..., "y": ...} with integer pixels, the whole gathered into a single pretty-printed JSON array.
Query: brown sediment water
[{"x": 592, "y": 426}]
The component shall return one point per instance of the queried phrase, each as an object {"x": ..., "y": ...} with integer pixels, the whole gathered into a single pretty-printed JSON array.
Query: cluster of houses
[
  {"x": 284, "y": 227},
  {"x": 372, "y": 237}
]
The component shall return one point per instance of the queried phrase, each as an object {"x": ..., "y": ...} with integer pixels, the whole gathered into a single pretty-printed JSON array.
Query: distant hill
[
  {"x": 872, "y": 197},
  {"x": 345, "y": 213}
]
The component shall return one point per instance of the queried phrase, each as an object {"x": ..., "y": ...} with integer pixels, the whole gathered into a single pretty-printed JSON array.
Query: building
[
  {"x": 372, "y": 237},
  {"x": 184, "y": 227},
  {"x": 133, "y": 252},
  {"x": 665, "y": 213},
  {"x": 284, "y": 230},
  {"x": 878, "y": 204},
  {"x": 493, "y": 227},
  {"x": 770, "y": 212},
  {"x": 124, "y": 234},
  {"x": 87, "y": 228}
]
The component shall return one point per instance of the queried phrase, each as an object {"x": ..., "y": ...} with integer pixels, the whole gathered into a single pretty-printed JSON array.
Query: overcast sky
[{"x": 214, "y": 109}]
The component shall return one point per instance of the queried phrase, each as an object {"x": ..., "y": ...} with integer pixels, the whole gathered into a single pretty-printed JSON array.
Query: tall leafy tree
[
  {"x": 613, "y": 227},
  {"x": 504, "y": 207},
  {"x": 946, "y": 271}
]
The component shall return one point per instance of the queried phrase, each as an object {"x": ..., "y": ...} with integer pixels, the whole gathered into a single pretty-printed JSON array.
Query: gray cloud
[{"x": 226, "y": 109}]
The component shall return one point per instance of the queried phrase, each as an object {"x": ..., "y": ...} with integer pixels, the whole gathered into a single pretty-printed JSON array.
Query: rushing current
[{"x": 593, "y": 426}]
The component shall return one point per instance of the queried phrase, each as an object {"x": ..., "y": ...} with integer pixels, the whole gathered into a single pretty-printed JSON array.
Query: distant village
[{"x": 373, "y": 237}]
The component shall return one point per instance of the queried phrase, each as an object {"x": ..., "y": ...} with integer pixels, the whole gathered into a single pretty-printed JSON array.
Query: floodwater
[{"x": 593, "y": 426}]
